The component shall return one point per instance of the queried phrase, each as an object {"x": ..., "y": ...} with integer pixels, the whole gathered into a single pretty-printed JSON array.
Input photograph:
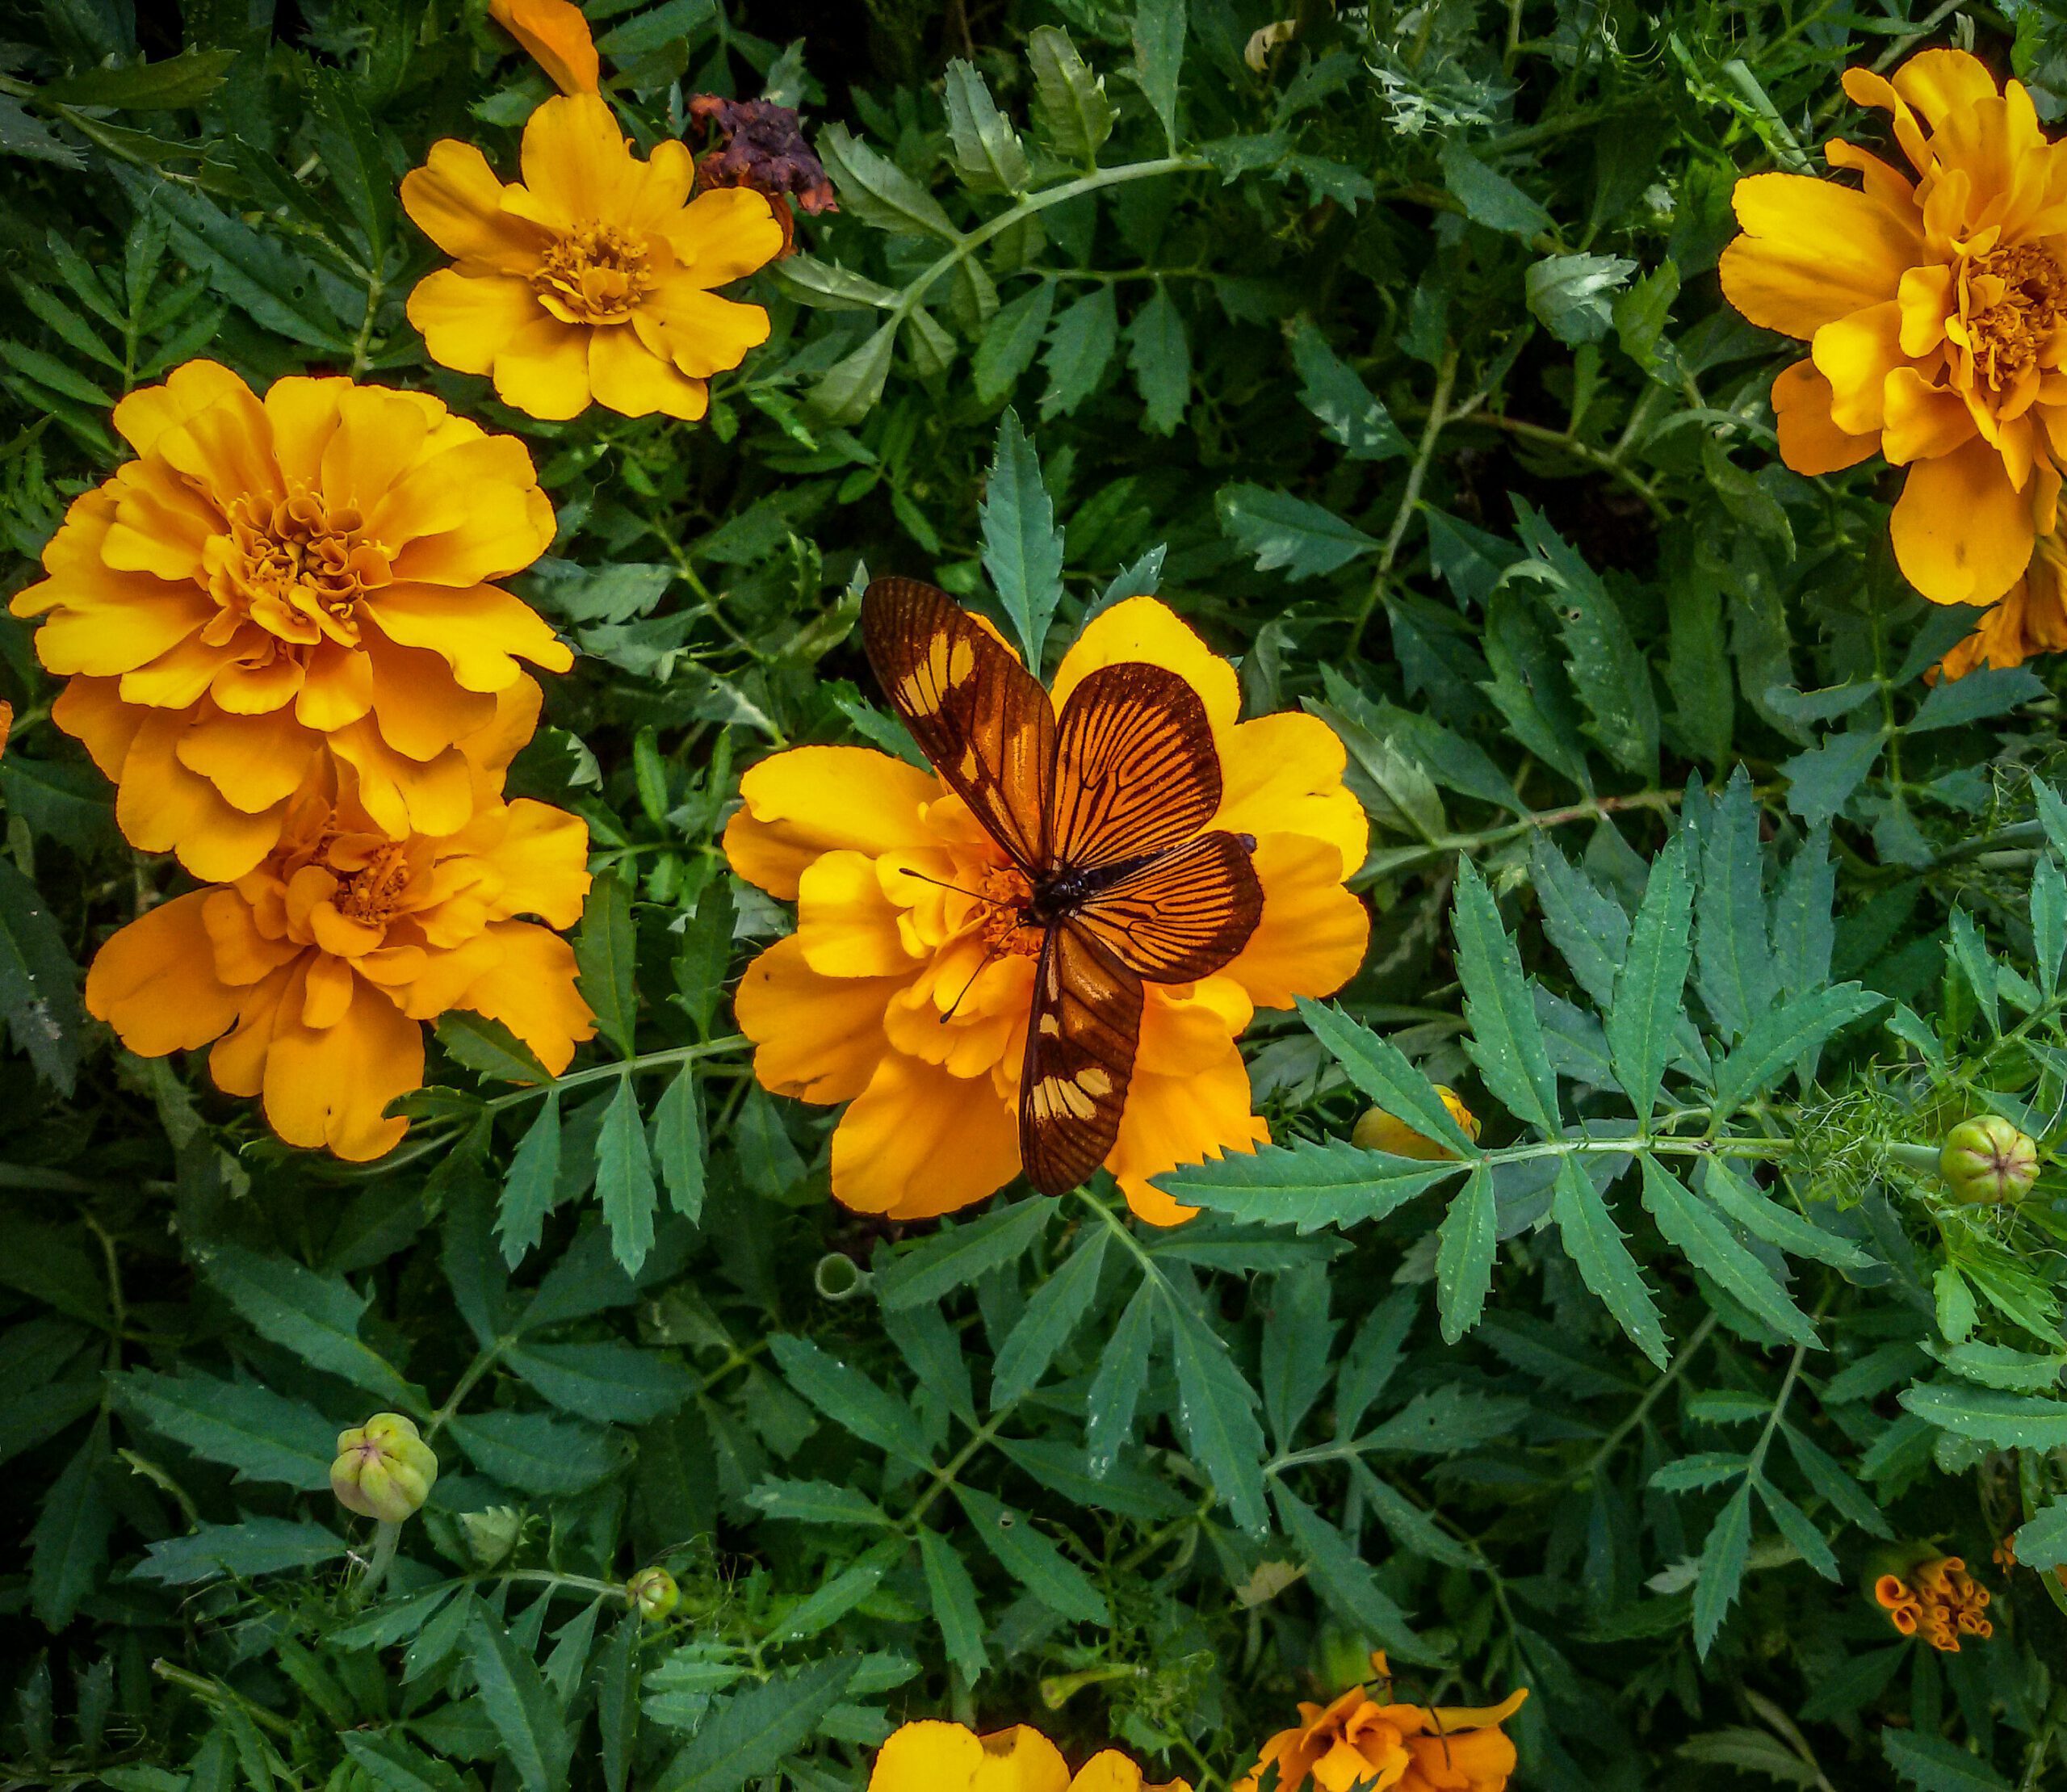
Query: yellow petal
[
  {"x": 531, "y": 989},
  {"x": 1938, "y": 83},
  {"x": 243, "y": 954},
  {"x": 466, "y": 319},
  {"x": 1856, "y": 353},
  {"x": 625, "y": 376},
  {"x": 404, "y": 796},
  {"x": 378, "y": 435},
  {"x": 919, "y": 1141},
  {"x": 327, "y": 1086},
  {"x": 238, "y": 1062},
  {"x": 846, "y": 926},
  {"x": 1809, "y": 442},
  {"x": 1283, "y": 774},
  {"x": 542, "y": 860},
  {"x": 557, "y": 37},
  {"x": 818, "y": 1038},
  {"x": 456, "y": 201},
  {"x": 700, "y": 332},
  {"x": 577, "y": 165},
  {"x": 1184, "y": 1119},
  {"x": 1812, "y": 252},
  {"x": 148, "y": 412},
  {"x": 91, "y": 711},
  {"x": 723, "y": 234},
  {"x": 1111, "y": 1771},
  {"x": 543, "y": 369},
  {"x": 469, "y": 513},
  {"x": 1962, "y": 533},
  {"x": 337, "y": 688},
  {"x": 1188, "y": 1027},
  {"x": 418, "y": 707},
  {"x": 327, "y": 992},
  {"x": 810, "y": 801},
  {"x": 1927, "y": 297},
  {"x": 155, "y": 981},
  {"x": 931, "y": 1756},
  {"x": 1314, "y": 931},
  {"x": 254, "y": 761},
  {"x": 1922, "y": 421},
  {"x": 1146, "y": 628}
]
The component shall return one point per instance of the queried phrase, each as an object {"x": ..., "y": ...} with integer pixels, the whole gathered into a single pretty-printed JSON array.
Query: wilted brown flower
[{"x": 757, "y": 144}]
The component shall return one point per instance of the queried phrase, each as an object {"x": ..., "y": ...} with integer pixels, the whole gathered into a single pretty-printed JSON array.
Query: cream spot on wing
[
  {"x": 961, "y": 662},
  {"x": 1052, "y": 1027},
  {"x": 916, "y": 695},
  {"x": 1093, "y": 1081},
  {"x": 971, "y": 765},
  {"x": 1054, "y": 1095}
]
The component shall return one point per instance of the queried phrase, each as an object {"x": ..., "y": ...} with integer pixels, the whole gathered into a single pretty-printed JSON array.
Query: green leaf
[
  {"x": 986, "y": 149},
  {"x": 678, "y": 1144},
  {"x": 263, "y": 1436},
  {"x": 1288, "y": 533},
  {"x": 616, "y": 1700},
  {"x": 752, "y": 1734},
  {"x": 315, "y": 1316},
  {"x": 849, "y": 1398},
  {"x": 958, "y": 1255},
  {"x": 1828, "y": 1477},
  {"x": 1382, "y": 1071},
  {"x": 1691, "y": 1226},
  {"x": 624, "y": 1177},
  {"x": 490, "y": 1048},
  {"x": 536, "y": 1741},
  {"x": 1310, "y": 1185},
  {"x": 1444, "y": 1420},
  {"x": 171, "y": 84},
  {"x": 1078, "y": 350},
  {"x": 1057, "y": 1307},
  {"x": 68, "y": 1545},
  {"x": 1022, "y": 547},
  {"x": 1216, "y": 1407},
  {"x": 2041, "y": 1541},
  {"x": 1158, "y": 56},
  {"x": 39, "y": 983},
  {"x": 2048, "y": 914},
  {"x": 1507, "y": 1040},
  {"x": 612, "y": 1382},
  {"x": 1122, "y": 1373},
  {"x": 1297, "y": 1339},
  {"x": 1350, "y": 417},
  {"x": 1572, "y": 296},
  {"x": 534, "y": 1180},
  {"x": 606, "y": 956},
  {"x": 1723, "y": 1559},
  {"x": 1595, "y": 1244},
  {"x": 1345, "y": 1581},
  {"x": 1070, "y": 106},
  {"x": 257, "y": 1546},
  {"x": 2002, "y": 1420},
  {"x": 1736, "y": 975},
  {"x": 276, "y": 288},
  {"x": 1821, "y": 779},
  {"x": 351, "y": 152},
  {"x": 848, "y": 389},
  {"x": 1643, "y": 1020},
  {"x": 1983, "y": 694},
  {"x": 534, "y": 1453},
  {"x": 877, "y": 191},
  {"x": 1782, "y": 1036},
  {"x": 1464, "y": 1255},
  {"x": 1032, "y": 1560},
  {"x": 1160, "y": 357},
  {"x": 393, "y": 1764},
  {"x": 815, "y": 1503},
  {"x": 1011, "y": 340},
  {"x": 1969, "y": 953},
  {"x": 1935, "y": 1765},
  {"x": 1489, "y": 197},
  {"x": 1530, "y": 686},
  {"x": 953, "y": 1597}
]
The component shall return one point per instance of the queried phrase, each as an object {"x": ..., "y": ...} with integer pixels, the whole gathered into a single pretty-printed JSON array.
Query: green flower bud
[
  {"x": 1988, "y": 1160},
  {"x": 383, "y": 1469},
  {"x": 654, "y": 1593}
]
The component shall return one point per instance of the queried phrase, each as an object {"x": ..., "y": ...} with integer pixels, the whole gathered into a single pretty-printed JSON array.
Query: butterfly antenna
[
  {"x": 974, "y": 895},
  {"x": 990, "y": 958}
]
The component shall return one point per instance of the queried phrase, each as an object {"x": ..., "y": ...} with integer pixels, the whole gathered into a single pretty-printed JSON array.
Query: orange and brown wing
[
  {"x": 1136, "y": 770},
  {"x": 1079, "y": 1059},
  {"x": 1184, "y": 914},
  {"x": 976, "y": 713}
]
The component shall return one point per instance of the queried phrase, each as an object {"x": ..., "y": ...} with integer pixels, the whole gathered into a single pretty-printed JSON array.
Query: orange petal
[
  {"x": 1922, "y": 421},
  {"x": 625, "y": 376},
  {"x": 810, "y": 801},
  {"x": 456, "y": 201},
  {"x": 155, "y": 981},
  {"x": 919, "y": 1141},
  {"x": 930, "y": 1757},
  {"x": 1856, "y": 353},
  {"x": 846, "y": 926},
  {"x": 557, "y": 37},
  {"x": 531, "y": 989},
  {"x": 1962, "y": 533},
  {"x": 577, "y": 165},
  {"x": 818, "y": 1038},
  {"x": 1314, "y": 931},
  {"x": 1283, "y": 774},
  {"x": 328, "y": 1086},
  {"x": 1809, "y": 443},
  {"x": 1812, "y": 252},
  {"x": 1184, "y": 1119},
  {"x": 723, "y": 234}
]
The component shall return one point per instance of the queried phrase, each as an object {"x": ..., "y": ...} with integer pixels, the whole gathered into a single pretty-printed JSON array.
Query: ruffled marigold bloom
[
  {"x": 314, "y": 973},
  {"x": 944, "y": 1757},
  {"x": 268, "y": 579},
  {"x": 590, "y": 280},
  {"x": 879, "y": 1000},
  {"x": 557, "y": 36},
  {"x": 1376, "y": 1130},
  {"x": 1936, "y": 1599},
  {"x": 1357, "y": 1742},
  {"x": 1936, "y": 313},
  {"x": 2031, "y": 620}
]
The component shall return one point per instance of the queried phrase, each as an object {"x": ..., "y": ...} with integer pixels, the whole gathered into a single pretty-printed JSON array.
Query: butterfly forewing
[
  {"x": 1184, "y": 914},
  {"x": 976, "y": 713},
  {"x": 1079, "y": 1058},
  {"x": 1136, "y": 770}
]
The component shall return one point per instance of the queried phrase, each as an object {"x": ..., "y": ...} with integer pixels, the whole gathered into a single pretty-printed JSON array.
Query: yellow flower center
[
  {"x": 374, "y": 893},
  {"x": 296, "y": 566},
  {"x": 595, "y": 274},
  {"x": 2014, "y": 301},
  {"x": 1007, "y": 893}
]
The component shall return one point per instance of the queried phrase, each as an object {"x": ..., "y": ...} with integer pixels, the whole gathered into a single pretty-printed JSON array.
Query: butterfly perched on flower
[{"x": 1101, "y": 813}]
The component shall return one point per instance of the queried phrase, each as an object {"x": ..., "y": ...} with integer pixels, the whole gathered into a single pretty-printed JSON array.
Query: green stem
[
  {"x": 387, "y": 1535},
  {"x": 1409, "y": 500},
  {"x": 1687, "y": 1352},
  {"x": 627, "y": 1066},
  {"x": 214, "y": 1692}
]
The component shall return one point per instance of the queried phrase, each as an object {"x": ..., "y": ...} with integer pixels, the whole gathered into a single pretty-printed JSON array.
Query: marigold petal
[
  {"x": 846, "y": 926},
  {"x": 161, "y": 806},
  {"x": 1939, "y": 83},
  {"x": 418, "y": 708},
  {"x": 543, "y": 369},
  {"x": 237, "y": 1064},
  {"x": 1922, "y": 421},
  {"x": 1856, "y": 353},
  {"x": 1182, "y": 1119},
  {"x": 1809, "y": 442},
  {"x": 1282, "y": 774},
  {"x": 471, "y": 512},
  {"x": 625, "y": 376},
  {"x": 723, "y": 234},
  {"x": 542, "y": 859},
  {"x": 1146, "y": 628},
  {"x": 1186, "y": 1027},
  {"x": 810, "y": 801},
  {"x": 145, "y": 414},
  {"x": 1314, "y": 932},
  {"x": 557, "y": 36},
  {"x": 155, "y": 981},
  {"x": 254, "y": 761},
  {"x": 1812, "y": 252},
  {"x": 919, "y": 1141},
  {"x": 930, "y": 1757},
  {"x": 181, "y": 675},
  {"x": 92, "y": 712},
  {"x": 405, "y": 795},
  {"x": 700, "y": 332},
  {"x": 576, "y": 162},
  {"x": 466, "y": 319},
  {"x": 1111, "y": 1771},
  {"x": 328, "y": 1086},
  {"x": 1962, "y": 533},
  {"x": 531, "y": 988},
  {"x": 455, "y": 199},
  {"x": 817, "y": 1038}
]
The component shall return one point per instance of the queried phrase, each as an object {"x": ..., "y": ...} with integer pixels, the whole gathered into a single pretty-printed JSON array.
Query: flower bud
[
  {"x": 1988, "y": 1160},
  {"x": 1379, "y": 1131},
  {"x": 383, "y": 1469},
  {"x": 654, "y": 1593}
]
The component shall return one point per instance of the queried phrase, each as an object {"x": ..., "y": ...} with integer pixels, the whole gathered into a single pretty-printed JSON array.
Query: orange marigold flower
[
  {"x": 1937, "y": 1599},
  {"x": 557, "y": 36},
  {"x": 1936, "y": 313},
  {"x": 1376, "y": 1130},
  {"x": 882, "y": 997},
  {"x": 2031, "y": 620},
  {"x": 313, "y": 973},
  {"x": 1359, "y": 1743},
  {"x": 944, "y": 1757},
  {"x": 588, "y": 281},
  {"x": 270, "y": 577}
]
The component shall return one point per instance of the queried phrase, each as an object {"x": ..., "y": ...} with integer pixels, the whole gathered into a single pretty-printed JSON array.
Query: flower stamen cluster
[{"x": 1937, "y": 1600}]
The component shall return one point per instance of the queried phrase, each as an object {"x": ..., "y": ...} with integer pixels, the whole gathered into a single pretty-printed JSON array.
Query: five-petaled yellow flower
[
  {"x": 313, "y": 973},
  {"x": 1936, "y": 309},
  {"x": 588, "y": 281},
  {"x": 883, "y": 998},
  {"x": 270, "y": 578},
  {"x": 946, "y": 1757}
]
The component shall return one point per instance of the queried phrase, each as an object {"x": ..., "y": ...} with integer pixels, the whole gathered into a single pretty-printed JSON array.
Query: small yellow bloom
[
  {"x": 1936, "y": 310},
  {"x": 384, "y": 1469},
  {"x": 2031, "y": 620},
  {"x": 891, "y": 996},
  {"x": 272, "y": 577},
  {"x": 1376, "y": 1130},
  {"x": 313, "y": 973},
  {"x": 1356, "y": 1742},
  {"x": 1935, "y": 1599},
  {"x": 944, "y": 1757},
  {"x": 556, "y": 37},
  {"x": 590, "y": 280}
]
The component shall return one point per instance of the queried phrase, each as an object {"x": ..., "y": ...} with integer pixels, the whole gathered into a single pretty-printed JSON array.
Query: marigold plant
[
  {"x": 274, "y": 580},
  {"x": 890, "y": 995},
  {"x": 588, "y": 281},
  {"x": 944, "y": 1757}
]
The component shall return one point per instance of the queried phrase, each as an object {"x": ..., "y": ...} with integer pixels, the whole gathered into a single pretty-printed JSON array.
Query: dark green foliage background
[{"x": 1400, "y": 365}]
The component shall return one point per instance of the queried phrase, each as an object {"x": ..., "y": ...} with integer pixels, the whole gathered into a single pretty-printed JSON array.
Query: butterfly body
[{"x": 1101, "y": 814}]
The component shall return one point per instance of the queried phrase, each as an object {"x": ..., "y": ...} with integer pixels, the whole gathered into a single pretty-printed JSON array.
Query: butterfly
[{"x": 1100, "y": 810}]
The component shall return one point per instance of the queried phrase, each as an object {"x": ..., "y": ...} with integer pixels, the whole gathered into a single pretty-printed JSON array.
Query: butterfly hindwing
[
  {"x": 1080, "y": 1043},
  {"x": 1184, "y": 914},
  {"x": 1136, "y": 770},
  {"x": 981, "y": 718}
]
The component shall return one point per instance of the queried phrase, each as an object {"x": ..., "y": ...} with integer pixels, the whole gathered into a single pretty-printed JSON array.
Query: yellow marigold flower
[
  {"x": 1935, "y": 1598},
  {"x": 1358, "y": 1742},
  {"x": 269, "y": 578},
  {"x": 1936, "y": 313},
  {"x": 944, "y": 1757},
  {"x": 1376, "y": 1130},
  {"x": 2031, "y": 620},
  {"x": 313, "y": 973},
  {"x": 557, "y": 36},
  {"x": 590, "y": 280},
  {"x": 877, "y": 1000}
]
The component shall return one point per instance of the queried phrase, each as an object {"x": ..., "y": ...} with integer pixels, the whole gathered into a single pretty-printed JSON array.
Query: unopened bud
[
  {"x": 1988, "y": 1160},
  {"x": 653, "y": 1591},
  {"x": 384, "y": 1469},
  {"x": 1379, "y": 1131}
]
